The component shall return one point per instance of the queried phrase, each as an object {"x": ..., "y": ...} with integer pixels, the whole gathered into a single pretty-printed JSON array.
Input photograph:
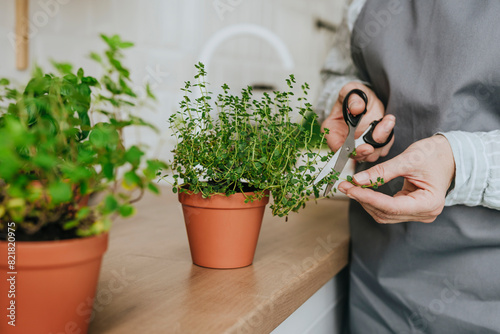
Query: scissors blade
[
  {"x": 327, "y": 169},
  {"x": 337, "y": 162}
]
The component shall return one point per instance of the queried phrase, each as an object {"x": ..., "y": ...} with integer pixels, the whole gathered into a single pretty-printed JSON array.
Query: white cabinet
[{"x": 323, "y": 313}]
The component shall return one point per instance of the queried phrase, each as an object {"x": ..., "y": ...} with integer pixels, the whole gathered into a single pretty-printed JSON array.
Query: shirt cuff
[{"x": 471, "y": 168}]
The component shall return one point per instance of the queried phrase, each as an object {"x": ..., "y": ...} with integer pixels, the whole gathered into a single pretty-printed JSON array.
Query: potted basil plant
[
  {"x": 61, "y": 142},
  {"x": 234, "y": 154}
]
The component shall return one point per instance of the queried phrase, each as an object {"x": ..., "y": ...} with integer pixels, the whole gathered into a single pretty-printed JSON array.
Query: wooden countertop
[{"x": 148, "y": 283}]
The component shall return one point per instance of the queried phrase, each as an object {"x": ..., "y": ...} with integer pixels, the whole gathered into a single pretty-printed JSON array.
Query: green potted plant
[
  {"x": 61, "y": 142},
  {"x": 231, "y": 156}
]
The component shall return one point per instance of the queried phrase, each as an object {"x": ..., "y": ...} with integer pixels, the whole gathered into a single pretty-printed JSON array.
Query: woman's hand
[
  {"x": 375, "y": 110},
  {"x": 428, "y": 168}
]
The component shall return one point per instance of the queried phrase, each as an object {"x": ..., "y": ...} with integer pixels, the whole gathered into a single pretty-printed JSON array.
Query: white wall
[{"x": 169, "y": 36}]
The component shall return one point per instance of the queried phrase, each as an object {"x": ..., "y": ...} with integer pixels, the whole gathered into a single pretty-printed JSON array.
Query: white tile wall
[{"x": 169, "y": 36}]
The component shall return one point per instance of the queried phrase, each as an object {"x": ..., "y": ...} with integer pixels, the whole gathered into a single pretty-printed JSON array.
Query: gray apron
[{"x": 436, "y": 66}]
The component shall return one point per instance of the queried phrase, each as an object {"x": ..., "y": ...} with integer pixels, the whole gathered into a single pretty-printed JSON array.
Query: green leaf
[
  {"x": 110, "y": 204},
  {"x": 77, "y": 173},
  {"x": 96, "y": 57},
  {"x": 115, "y": 42},
  {"x": 38, "y": 86},
  {"x": 153, "y": 188},
  {"x": 91, "y": 81},
  {"x": 133, "y": 155},
  {"x": 98, "y": 138},
  {"x": 153, "y": 167},
  {"x": 104, "y": 136},
  {"x": 62, "y": 68},
  {"x": 125, "y": 45},
  {"x": 85, "y": 155},
  {"x": 127, "y": 210},
  {"x": 131, "y": 179},
  {"x": 108, "y": 170},
  {"x": 10, "y": 164},
  {"x": 60, "y": 192},
  {"x": 37, "y": 71},
  {"x": 80, "y": 73},
  {"x": 70, "y": 224},
  {"x": 149, "y": 92},
  {"x": 44, "y": 160}
]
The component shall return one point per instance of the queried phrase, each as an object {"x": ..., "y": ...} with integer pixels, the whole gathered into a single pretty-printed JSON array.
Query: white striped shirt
[{"x": 477, "y": 173}]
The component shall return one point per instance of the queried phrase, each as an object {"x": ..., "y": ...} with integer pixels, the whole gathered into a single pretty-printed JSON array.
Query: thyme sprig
[{"x": 373, "y": 185}]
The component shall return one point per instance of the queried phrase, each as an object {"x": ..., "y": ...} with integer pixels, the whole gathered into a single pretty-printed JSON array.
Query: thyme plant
[{"x": 239, "y": 143}]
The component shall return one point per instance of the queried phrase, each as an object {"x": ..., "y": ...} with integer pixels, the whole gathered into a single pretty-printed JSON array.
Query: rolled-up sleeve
[
  {"x": 477, "y": 173},
  {"x": 338, "y": 68}
]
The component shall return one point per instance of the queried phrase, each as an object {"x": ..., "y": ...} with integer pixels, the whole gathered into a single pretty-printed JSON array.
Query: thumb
[
  {"x": 387, "y": 170},
  {"x": 356, "y": 104}
]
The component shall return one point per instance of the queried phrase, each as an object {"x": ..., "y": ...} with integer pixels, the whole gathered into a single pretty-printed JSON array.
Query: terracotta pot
[
  {"x": 222, "y": 231},
  {"x": 54, "y": 286}
]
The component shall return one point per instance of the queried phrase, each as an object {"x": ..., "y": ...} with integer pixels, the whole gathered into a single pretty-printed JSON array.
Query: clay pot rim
[
  {"x": 57, "y": 253},
  {"x": 221, "y": 201},
  {"x": 60, "y": 241}
]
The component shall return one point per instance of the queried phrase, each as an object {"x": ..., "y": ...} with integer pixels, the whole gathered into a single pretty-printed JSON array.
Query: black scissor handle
[
  {"x": 368, "y": 137},
  {"x": 349, "y": 118}
]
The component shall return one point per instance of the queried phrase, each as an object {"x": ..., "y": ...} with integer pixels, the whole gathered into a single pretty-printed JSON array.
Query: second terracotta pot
[
  {"x": 52, "y": 287},
  {"x": 222, "y": 230}
]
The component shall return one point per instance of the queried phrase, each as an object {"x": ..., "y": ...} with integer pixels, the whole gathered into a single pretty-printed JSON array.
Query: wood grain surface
[
  {"x": 22, "y": 31},
  {"x": 148, "y": 283}
]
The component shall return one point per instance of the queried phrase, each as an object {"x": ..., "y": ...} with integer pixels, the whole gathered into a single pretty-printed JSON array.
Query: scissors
[{"x": 337, "y": 163}]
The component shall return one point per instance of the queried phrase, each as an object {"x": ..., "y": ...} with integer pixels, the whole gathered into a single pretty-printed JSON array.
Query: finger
[
  {"x": 403, "y": 206},
  {"x": 385, "y": 149},
  {"x": 409, "y": 204},
  {"x": 419, "y": 205},
  {"x": 383, "y": 218},
  {"x": 356, "y": 105},
  {"x": 337, "y": 132},
  {"x": 364, "y": 150},
  {"x": 347, "y": 88},
  {"x": 378, "y": 215},
  {"x": 384, "y": 128},
  {"x": 387, "y": 170},
  {"x": 344, "y": 186}
]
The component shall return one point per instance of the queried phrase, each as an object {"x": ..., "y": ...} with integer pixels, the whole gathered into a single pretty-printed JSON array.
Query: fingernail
[
  {"x": 388, "y": 127},
  {"x": 342, "y": 189},
  {"x": 361, "y": 178}
]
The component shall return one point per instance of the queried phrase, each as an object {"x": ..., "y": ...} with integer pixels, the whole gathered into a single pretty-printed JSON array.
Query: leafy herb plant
[
  {"x": 238, "y": 143},
  {"x": 53, "y": 155}
]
